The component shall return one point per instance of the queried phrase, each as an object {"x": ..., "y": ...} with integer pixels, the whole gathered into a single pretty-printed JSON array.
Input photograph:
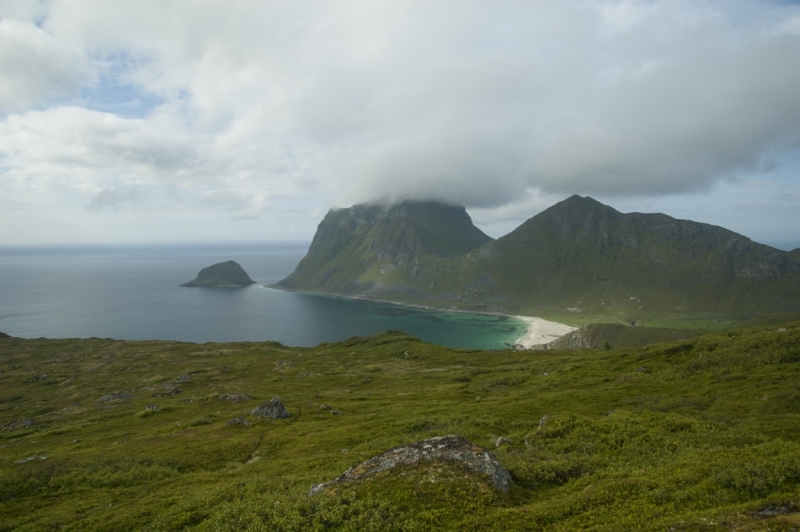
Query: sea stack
[{"x": 224, "y": 274}]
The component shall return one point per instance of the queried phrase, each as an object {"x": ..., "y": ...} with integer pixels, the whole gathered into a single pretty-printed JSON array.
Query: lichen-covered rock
[
  {"x": 449, "y": 449},
  {"x": 117, "y": 396},
  {"x": 235, "y": 397},
  {"x": 238, "y": 421},
  {"x": 272, "y": 409},
  {"x": 23, "y": 423}
]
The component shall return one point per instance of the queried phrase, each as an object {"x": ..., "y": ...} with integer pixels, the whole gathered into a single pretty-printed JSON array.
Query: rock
[
  {"x": 773, "y": 510},
  {"x": 224, "y": 274},
  {"x": 182, "y": 379},
  {"x": 235, "y": 397},
  {"x": 325, "y": 407},
  {"x": 151, "y": 408},
  {"x": 781, "y": 329},
  {"x": 501, "y": 441},
  {"x": 448, "y": 449},
  {"x": 176, "y": 391},
  {"x": 238, "y": 421},
  {"x": 335, "y": 413},
  {"x": 117, "y": 396},
  {"x": 542, "y": 423},
  {"x": 30, "y": 458},
  {"x": 23, "y": 423},
  {"x": 76, "y": 440},
  {"x": 272, "y": 409},
  {"x": 641, "y": 369}
]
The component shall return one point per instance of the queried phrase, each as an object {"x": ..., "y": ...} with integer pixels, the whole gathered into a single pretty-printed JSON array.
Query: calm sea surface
[{"x": 132, "y": 293}]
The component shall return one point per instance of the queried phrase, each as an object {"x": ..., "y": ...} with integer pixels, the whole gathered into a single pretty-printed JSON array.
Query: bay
[{"x": 133, "y": 293}]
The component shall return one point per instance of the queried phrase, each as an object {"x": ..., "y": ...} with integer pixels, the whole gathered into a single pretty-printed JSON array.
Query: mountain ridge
[{"x": 579, "y": 261}]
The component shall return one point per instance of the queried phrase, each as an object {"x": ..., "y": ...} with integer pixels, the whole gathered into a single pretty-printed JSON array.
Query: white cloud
[
  {"x": 487, "y": 103},
  {"x": 36, "y": 66}
]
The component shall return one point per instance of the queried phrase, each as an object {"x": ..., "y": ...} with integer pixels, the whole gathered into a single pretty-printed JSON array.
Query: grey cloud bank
[{"x": 271, "y": 111}]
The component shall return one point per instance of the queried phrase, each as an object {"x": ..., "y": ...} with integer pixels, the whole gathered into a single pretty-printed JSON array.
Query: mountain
[
  {"x": 579, "y": 260},
  {"x": 224, "y": 274},
  {"x": 357, "y": 250},
  {"x": 796, "y": 251}
]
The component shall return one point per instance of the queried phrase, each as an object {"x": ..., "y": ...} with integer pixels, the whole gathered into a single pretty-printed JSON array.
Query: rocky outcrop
[
  {"x": 4, "y": 335},
  {"x": 273, "y": 409},
  {"x": 224, "y": 275},
  {"x": 23, "y": 423},
  {"x": 449, "y": 449},
  {"x": 235, "y": 397}
]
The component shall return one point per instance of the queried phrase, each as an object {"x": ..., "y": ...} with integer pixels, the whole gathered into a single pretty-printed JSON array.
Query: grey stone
[
  {"x": 448, "y": 449},
  {"x": 238, "y": 421},
  {"x": 501, "y": 441},
  {"x": 151, "y": 408},
  {"x": 23, "y": 423},
  {"x": 116, "y": 396},
  {"x": 235, "y": 397},
  {"x": 271, "y": 409}
]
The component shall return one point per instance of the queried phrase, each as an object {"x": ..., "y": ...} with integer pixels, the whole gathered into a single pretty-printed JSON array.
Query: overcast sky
[{"x": 180, "y": 121}]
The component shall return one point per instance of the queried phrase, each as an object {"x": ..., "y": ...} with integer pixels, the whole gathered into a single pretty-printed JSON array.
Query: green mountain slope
[
  {"x": 578, "y": 261},
  {"x": 105, "y": 435},
  {"x": 354, "y": 248}
]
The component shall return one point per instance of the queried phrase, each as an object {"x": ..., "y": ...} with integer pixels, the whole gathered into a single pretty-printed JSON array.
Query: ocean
[{"x": 133, "y": 293}]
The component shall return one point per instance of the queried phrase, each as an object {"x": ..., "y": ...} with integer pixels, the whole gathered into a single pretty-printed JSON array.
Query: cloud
[
  {"x": 35, "y": 66},
  {"x": 483, "y": 103}
]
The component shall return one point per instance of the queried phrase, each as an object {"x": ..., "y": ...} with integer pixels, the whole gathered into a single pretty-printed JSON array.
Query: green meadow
[{"x": 698, "y": 434}]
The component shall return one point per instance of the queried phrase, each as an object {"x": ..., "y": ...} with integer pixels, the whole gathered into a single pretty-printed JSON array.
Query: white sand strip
[{"x": 541, "y": 331}]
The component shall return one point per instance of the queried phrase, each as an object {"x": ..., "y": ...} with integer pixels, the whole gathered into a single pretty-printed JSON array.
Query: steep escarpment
[
  {"x": 578, "y": 260},
  {"x": 367, "y": 249}
]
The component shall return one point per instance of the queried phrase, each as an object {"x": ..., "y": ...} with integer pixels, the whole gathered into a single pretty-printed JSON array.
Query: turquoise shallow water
[{"x": 132, "y": 293}]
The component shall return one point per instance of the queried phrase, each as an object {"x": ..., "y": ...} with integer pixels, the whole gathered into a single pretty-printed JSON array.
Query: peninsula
[{"x": 224, "y": 274}]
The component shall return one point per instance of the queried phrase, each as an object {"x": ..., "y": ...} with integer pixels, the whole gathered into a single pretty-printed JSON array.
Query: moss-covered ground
[{"x": 701, "y": 434}]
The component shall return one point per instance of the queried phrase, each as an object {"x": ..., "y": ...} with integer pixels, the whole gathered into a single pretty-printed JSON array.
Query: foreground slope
[
  {"x": 695, "y": 435},
  {"x": 579, "y": 260}
]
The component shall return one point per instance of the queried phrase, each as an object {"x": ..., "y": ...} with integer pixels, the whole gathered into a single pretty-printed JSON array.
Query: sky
[{"x": 209, "y": 121}]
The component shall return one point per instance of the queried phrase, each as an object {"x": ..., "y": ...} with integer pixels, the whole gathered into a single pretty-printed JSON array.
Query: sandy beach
[{"x": 541, "y": 331}]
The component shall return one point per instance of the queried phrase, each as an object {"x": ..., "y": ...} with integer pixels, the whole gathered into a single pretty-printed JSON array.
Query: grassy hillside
[
  {"x": 700, "y": 434},
  {"x": 353, "y": 248},
  {"x": 579, "y": 261}
]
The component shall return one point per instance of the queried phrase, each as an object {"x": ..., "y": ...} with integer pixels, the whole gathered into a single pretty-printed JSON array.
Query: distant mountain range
[{"x": 579, "y": 260}]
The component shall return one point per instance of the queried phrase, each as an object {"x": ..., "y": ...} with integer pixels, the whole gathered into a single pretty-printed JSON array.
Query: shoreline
[{"x": 540, "y": 331}]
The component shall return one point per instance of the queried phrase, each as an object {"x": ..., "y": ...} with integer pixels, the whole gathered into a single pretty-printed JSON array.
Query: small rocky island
[{"x": 224, "y": 274}]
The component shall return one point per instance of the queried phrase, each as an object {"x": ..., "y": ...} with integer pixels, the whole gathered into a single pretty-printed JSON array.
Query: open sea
[{"x": 133, "y": 293}]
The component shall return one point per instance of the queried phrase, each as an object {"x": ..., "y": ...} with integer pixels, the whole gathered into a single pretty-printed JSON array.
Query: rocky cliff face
[{"x": 354, "y": 249}]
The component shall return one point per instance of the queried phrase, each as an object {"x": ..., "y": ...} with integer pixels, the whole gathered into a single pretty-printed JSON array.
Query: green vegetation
[
  {"x": 700, "y": 434},
  {"x": 224, "y": 274},
  {"x": 577, "y": 262}
]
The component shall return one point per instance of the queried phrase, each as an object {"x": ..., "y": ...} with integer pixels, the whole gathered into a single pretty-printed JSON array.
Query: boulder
[
  {"x": 238, "y": 421},
  {"x": 271, "y": 409},
  {"x": 23, "y": 423},
  {"x": 449, "y": 449},
  {"x": 235, "y": 397}
]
